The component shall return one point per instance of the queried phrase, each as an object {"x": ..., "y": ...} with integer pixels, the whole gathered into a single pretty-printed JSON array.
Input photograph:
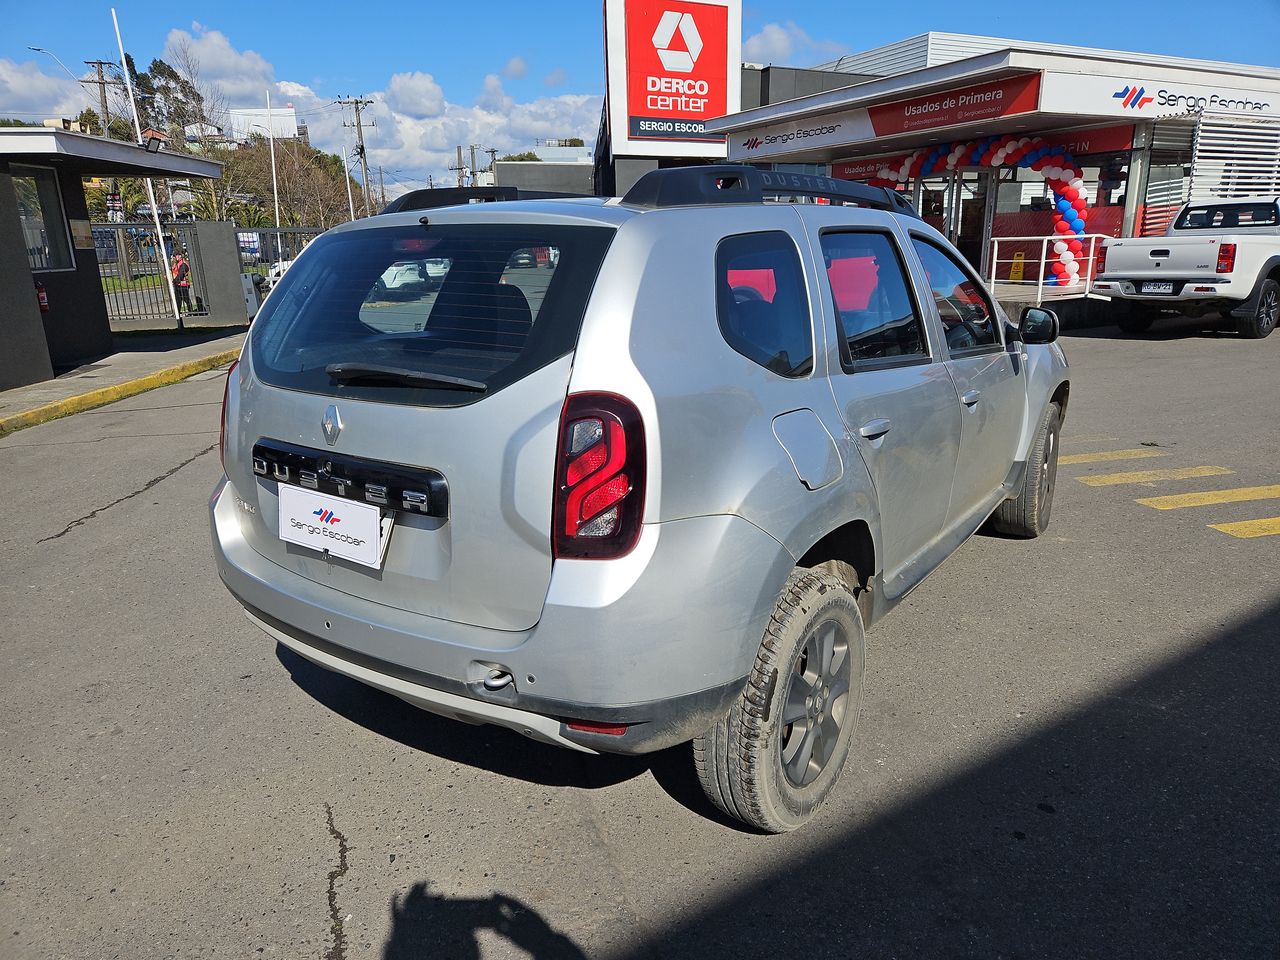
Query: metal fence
[
  {"x": 132, "y": 271},
  {"x": 261, "y": 248}
]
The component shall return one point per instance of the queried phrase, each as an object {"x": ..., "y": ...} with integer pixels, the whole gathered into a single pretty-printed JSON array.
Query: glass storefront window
[{"x": 44, "y": 226}]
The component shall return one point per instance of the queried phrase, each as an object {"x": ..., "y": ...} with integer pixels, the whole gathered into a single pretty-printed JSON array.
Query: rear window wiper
[{"x": 376, "y": 373}]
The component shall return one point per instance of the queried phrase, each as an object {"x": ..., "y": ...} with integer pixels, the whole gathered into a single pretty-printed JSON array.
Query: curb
[{"x": 120, "y": 391}]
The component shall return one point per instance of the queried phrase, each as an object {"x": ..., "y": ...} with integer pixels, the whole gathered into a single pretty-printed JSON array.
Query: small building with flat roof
[{"x": 55, "y": 313}]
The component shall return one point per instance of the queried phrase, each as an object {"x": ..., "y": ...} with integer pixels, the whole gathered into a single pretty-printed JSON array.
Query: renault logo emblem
[{"x": 332, "y": 424}]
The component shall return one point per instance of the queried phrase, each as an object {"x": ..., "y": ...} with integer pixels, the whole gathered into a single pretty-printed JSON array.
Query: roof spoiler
[
  {"x": 739, "y": 183},
  {"x": 451, "y": 196}
]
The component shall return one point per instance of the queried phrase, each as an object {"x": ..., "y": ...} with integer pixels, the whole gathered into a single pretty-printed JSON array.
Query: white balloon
[
  {"x": 1066, "y": 256},
  {"x": 1023, "y": 142},
  {"x": 1077, "y": 183},
  {"x": 1070, "y": 278},
  {"x": 1060, "y": 246},
  {"x": 1073, "y": 268}
]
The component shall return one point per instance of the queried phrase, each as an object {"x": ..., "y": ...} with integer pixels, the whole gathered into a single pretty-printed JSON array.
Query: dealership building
[{"x": 974, "y": 129}]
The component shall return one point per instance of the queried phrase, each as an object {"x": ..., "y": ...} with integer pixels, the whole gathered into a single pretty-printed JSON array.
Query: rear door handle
[
  {"x": 969, "y": 397},
  {"x": 875, "y": 429}
]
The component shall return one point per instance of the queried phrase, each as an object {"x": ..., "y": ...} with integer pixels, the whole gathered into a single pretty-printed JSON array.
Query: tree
[
  {"x": 14, "y": 122},
  {"x": 527, "y": 155}
]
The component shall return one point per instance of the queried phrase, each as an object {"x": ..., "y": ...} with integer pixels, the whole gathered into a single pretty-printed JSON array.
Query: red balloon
[
  {"x": 1058, "y": 267},
  {"x": 1079, "y": 203},
  {"x": 1072, "y": 194},
  {"x": 1061, "y": 227},
  {"x": 1082, "y": 214},
  {"x": 1075, "y": 246}
]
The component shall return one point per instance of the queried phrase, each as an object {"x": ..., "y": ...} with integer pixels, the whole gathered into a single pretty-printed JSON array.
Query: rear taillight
[
  {"x": 600, "y": 467},
  {"x": 222, "y": 419},
  {"x": 1100, "y": 261},
  {"x": 1226, "y": 258}
]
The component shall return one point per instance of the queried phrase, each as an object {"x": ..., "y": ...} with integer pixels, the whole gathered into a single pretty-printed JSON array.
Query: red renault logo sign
[{"x": 677, "y": 68}]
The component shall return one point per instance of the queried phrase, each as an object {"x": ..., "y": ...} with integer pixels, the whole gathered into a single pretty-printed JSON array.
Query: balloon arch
[{"x": 1070, "y": 213}]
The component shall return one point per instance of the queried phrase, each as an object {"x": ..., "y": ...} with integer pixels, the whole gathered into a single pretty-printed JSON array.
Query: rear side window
[
  {"x": 434, "y": 315},
  {"x": 877, "y": 315},
  {"x": 967, "y": 317},
  {"x": 761, "y": 302},
  {"x": 1227, "y": 216}
]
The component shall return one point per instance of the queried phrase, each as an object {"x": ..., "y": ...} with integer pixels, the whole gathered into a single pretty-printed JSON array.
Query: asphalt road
[{"x": 1069, "y": 746}]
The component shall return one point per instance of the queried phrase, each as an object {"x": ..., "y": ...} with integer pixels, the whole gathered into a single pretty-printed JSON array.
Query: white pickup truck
[{"x": 1220, "y": 256}]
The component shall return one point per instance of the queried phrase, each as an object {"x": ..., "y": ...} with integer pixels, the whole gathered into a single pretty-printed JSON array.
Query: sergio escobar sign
[{"x": 672, "y": 66}]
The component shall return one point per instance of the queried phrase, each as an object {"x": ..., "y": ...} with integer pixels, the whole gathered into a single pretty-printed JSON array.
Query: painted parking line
[
  {"x": 1104, "y": 456},
  {"x": 1246, "y": 529},
  {"x": 1206, "y": 498},
  {"x": 1147, "y": 476}
]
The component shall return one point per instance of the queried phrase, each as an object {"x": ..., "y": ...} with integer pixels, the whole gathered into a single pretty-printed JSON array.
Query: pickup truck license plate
[
  {"x": 354, "y": 531},
  {"x": 1157, "y": 287}
]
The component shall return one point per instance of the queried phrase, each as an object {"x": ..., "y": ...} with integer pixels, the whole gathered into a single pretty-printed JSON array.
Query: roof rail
[
  {"x": 429, "y": 199},
  {"x": 739, "y": 183}
]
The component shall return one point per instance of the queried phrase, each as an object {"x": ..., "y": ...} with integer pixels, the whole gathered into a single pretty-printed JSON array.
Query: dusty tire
[
  {"x": 1265, "y": 314},
  {"x": 773, "y": 758},
  {"x": 1027, "y": 514}
]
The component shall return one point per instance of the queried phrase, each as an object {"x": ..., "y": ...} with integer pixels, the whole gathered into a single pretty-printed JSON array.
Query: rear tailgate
[
  {"x": 435, "y": 410},
  {"x": 1167, "y": 261}
]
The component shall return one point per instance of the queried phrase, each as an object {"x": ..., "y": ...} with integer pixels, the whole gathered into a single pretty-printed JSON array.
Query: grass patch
[{"x": 148, "y": 281}]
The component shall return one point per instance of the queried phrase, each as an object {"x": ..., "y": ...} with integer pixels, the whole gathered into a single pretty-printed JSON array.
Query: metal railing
[
  {"x": 260, "y": 247},
  {"x": 132, "y": 272},
  {"x": 1021, "y": 267}
]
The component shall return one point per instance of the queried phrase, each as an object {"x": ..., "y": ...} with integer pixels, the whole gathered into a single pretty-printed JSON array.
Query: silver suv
[{"x": 639, "y": 471}]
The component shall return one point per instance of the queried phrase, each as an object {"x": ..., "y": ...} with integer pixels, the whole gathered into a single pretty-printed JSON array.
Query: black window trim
[
  {"x": 847, "y": 363},
  {"x": 804, "y": 292},
  {"x": 1000, "y": 346}
]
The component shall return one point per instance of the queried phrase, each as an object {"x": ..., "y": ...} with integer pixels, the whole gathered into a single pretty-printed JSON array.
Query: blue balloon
[
  {"x": 1077, "y": 225},
  {"x": 1064, "y": 205}
]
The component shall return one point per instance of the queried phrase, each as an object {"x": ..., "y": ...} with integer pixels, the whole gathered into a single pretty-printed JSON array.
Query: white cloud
[
  {"x": 415, "y": 94},
  {"x": 557, "y": 77},
  {"x": 242, "y": 76},
  {"x": 516, "y": 68},
  {"x": 494, "y": 97},
  {"x": 28, "y": 93},
  {"x": 788, "y": 43}
]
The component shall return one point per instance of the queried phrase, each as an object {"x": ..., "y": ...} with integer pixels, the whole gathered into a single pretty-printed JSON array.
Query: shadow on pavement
[
  {"x": 1167, "y": 327},
  {"x": 495, "y": 749},
  {"x": 148, "y": 341},
  {"x": 1143, "y": 825},
  {"x": 426, "y": 925}
]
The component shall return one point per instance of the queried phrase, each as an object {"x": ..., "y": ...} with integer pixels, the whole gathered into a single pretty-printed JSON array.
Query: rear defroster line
[{"x": 128, "y": 496}]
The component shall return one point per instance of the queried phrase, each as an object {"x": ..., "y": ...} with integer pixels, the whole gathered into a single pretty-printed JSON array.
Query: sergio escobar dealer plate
[{"x": 353, "y": 531}]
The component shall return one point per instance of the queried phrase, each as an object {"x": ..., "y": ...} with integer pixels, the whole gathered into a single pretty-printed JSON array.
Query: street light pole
[{"x": 275, "y": 189}]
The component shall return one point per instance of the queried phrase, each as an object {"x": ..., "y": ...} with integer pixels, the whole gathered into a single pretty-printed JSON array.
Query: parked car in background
[
  {"x": 655, "y": 496},
  {"x": 1219, "y": 256}
]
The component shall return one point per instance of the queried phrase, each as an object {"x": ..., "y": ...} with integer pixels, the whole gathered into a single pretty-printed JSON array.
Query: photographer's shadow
[{"x": 426, "y": 925}]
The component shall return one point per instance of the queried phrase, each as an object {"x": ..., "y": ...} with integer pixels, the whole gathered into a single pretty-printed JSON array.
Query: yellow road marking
[
  {"x": 1268, "y": 527},
  {"x": 1072, "y": 441},
  {"x": 1137, "y": 453},
  {"x": 1146, "y": 476},
  {"x": 1207, "y": 498}
]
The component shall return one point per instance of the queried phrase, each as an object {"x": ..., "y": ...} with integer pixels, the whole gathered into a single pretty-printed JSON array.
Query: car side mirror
[{"x": 1038, "y": 325}]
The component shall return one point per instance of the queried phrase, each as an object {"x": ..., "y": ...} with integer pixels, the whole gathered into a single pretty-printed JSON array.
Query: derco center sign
[{"x": 669, "y": 66}]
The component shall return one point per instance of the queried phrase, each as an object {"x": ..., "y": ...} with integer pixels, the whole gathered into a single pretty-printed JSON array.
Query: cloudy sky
[{"x": 504, "y": 74}]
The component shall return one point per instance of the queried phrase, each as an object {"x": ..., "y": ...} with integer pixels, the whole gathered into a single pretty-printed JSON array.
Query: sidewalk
[{"x": 141, "y": 363}]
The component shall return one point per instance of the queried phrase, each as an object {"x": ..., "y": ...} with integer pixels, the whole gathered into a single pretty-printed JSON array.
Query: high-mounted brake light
[
  {"x": 222, "y": 420},
  {"x": 600, "y": 473},
  {"x": 1226, "y": 258},
  {"x": 1100, "y": 262}
]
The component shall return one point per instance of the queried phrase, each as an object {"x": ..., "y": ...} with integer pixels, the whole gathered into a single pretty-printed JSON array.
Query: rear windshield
[
  {"x": 1227, "y": 216},
  {"x": 376, "y": 314}
]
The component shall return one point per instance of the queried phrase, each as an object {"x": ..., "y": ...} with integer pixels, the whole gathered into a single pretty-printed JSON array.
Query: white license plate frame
[
  {"x": 1157, "y": 286},
  {"x": 358, "y": 532}
]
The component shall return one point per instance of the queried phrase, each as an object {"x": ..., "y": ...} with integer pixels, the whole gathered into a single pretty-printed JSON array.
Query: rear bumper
[
  {"x": 1184, "y": 289},
  {"x": 661, "y": 640}
]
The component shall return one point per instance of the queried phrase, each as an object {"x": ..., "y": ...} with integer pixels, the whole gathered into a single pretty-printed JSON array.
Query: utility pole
[
  {"x": 474, "y": 146},
  {"x": 460, "y": 168},
  {"x": 382, "y": 188},
  {"x": 359, "y": 104},
  {"x": 105, "y": 117},
  {"x": 493, "y": 163}
]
